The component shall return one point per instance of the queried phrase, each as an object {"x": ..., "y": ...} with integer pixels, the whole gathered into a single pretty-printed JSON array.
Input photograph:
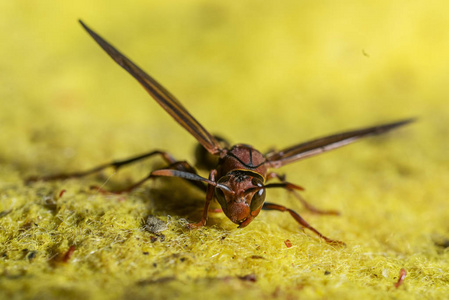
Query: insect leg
[
  {"x": 300, "y": 220},
  {"x": 115, "y": 164},
  {"x": 209, "y": 197},
  {"x": 177, "y": 165},
  {"x": 274, "y": 175},
  {"x": 306, "y": 204}
]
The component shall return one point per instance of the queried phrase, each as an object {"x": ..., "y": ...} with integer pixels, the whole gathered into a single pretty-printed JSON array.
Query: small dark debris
[
  {"x": 249, "y": 277},
  {"x": 61, "y": 193},
  {"x": 155, "y": 265},
  {"x": 401, "y": 278},
  {"x": 182, "y": 259},
  {"x": 26, "y": 226},
  {"x": 16, "y": 276},
  {"x": 156, "y": 281},
  {"x": 443, "y": 243},
  {"x": 68, "y": 254},
  {"x": 62, "y": 257},
  {"x": 5, "y": 213},
  {"x": 365, "y": 53},
  {"x": 31, "y": 255},
  {"x": 154, "y": 224},
  {"x": 146, "y": 253},
  {"x": 257, "y": 257},
  {"x": 5, "y": 255},
  {"x": 161, "y": 238},
  {"x": 327, "y": 272}
]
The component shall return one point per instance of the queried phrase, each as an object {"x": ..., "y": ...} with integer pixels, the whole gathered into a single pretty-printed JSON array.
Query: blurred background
[{"x": 266, "y": 73}]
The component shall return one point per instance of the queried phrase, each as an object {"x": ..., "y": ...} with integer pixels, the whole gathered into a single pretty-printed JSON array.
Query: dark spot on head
[{"x": 240, "y": 177}]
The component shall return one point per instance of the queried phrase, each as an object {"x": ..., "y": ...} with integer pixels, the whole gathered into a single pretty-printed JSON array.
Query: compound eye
[
  {"x": 219, "y": 194},
  {"x": 257, "y": 200},
  {"x": 221, "y": 198},
  {"x": 256, "y": 181}
]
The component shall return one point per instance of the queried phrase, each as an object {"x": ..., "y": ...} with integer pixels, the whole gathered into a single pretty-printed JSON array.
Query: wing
[
  {"x": 280, "y": 158},
  {"x": 161, "y": 95}
]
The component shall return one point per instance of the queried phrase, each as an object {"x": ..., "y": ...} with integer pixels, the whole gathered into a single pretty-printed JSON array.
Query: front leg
[
  {"x": 300, "y": 220},
  {"x": 178, "y": 165},
  {"x": 307, "y": 205},
  {"x": 209, "y": 197}
]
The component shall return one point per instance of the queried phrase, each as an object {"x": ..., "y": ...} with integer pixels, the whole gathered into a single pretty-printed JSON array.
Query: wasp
[{"x": 239, "y": 174}]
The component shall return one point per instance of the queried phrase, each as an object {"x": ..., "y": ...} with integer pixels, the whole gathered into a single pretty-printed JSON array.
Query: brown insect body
[
  {"x": 239, "y": 180},
  {"x": 243, "y": 157},
  {"x": 242, "y": 169}
]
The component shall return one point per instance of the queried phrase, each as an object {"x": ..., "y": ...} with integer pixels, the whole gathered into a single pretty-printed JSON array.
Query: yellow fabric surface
[{"x": 270, "y": 74}]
